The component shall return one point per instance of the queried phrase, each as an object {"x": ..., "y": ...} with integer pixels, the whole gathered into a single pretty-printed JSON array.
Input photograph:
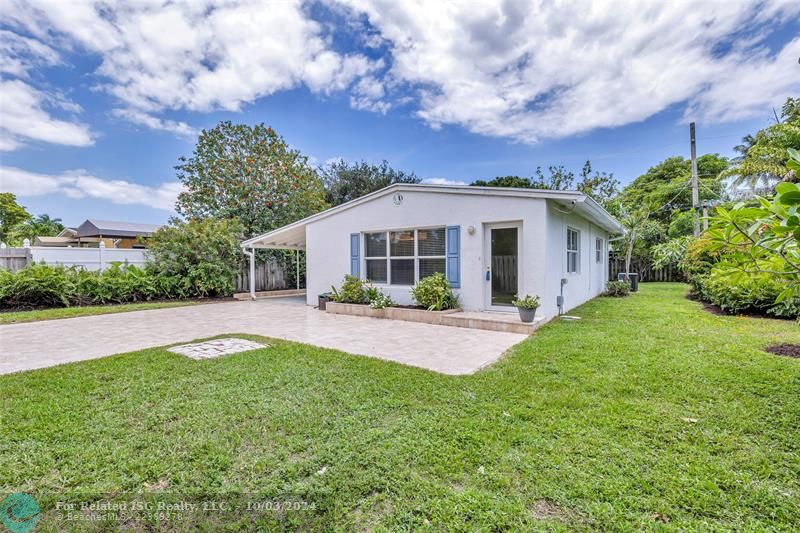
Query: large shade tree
[
  {"x": 666, "y": 187},
  {"x": 601, "y": 186},
  {"x": 347, "y": 181},
  {"x": 248, "y": 173}
]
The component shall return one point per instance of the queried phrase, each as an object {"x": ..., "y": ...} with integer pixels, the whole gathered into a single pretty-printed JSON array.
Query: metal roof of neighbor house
[
  {"x": 54, "y": 240},
  {"x": 292, "y": 236},
  {"x": 113, "y": 228}
]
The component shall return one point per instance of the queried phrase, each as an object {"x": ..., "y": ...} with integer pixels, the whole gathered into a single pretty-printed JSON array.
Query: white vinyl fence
[{"x": 89, "y": 258}]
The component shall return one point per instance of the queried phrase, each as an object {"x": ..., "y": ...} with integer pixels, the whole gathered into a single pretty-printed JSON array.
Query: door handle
[{"x": 488, "y": 274}]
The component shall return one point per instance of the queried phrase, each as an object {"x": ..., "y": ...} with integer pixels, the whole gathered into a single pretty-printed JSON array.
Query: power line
[{"x": 674, "y": 197}]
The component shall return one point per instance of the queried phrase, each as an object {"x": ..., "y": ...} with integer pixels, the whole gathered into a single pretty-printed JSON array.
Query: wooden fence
[
  {"x": 269, "y": 276},
  {"x": 644, "y": 269},
  {"x": 504, "y": 273}
]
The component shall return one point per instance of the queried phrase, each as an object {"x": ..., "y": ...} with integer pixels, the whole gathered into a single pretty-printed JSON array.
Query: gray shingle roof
[{"x": 113, "y": 228}]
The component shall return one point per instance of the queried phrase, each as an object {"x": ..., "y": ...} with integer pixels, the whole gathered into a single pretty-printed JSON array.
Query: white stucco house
[{"x": 492, "y": 243}]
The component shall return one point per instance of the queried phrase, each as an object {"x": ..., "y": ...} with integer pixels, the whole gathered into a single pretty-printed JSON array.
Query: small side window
[
  {"x": 598, "y": 250},
  {"x": 573, "y": 250}
]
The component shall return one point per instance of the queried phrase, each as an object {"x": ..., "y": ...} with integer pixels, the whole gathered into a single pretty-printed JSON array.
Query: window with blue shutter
[
  {"x": 355, "y": 254},
  {"x": 454, "y": 256}
]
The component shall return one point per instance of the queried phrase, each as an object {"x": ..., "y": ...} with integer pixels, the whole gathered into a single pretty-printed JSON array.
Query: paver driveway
[{"x": 440, "y": 348}]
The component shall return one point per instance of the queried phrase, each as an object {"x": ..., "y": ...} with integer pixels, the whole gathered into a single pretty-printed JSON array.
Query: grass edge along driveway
[
  {"x": 649, "y": 413},
  {"x": 18, "y": 317}
]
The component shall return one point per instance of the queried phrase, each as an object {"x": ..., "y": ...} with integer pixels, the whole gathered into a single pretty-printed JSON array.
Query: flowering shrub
[{"x": 380, "y": 301}]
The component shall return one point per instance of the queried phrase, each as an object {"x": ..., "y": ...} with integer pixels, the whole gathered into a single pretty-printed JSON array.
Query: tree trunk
[{"x": 628, "y": 254}]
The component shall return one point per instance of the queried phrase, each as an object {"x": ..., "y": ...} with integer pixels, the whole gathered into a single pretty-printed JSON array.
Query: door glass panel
[{"x": 504, "y": 265}]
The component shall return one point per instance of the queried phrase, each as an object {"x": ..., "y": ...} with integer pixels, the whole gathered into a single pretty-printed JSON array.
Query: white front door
[{"x": 502, "y": 265}]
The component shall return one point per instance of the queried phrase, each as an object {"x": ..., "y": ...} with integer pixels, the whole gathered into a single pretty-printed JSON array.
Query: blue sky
[{"x": 96, "y": 105}]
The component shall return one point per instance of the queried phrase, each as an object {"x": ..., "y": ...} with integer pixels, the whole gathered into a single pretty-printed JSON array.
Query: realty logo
[{"x": 19, "y": 512}]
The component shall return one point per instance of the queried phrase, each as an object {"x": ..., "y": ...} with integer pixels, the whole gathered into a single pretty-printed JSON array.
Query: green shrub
[
  {"x": 617, "y": 289},
  {"x": 353, "y": 291},
  {"x": 699, "y": 259},
  {"x": 203, "y": 254},
  {"x": 39, "y": 285},
  {"x": 754, "y": 293},
  {"x": 434, "y": 293},
  {"x": 526, "y": 302}
]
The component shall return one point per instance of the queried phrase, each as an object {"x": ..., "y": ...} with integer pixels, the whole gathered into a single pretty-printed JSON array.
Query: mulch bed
[{"x": 788, "y": 350}]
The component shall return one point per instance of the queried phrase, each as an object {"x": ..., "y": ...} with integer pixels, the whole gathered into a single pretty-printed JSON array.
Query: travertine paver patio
[
  {"x": 443, "y": 349},
  {"x": 215, "y": 348}
]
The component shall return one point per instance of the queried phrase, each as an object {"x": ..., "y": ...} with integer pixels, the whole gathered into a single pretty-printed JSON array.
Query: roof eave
[{"x": 575, "y": 196}]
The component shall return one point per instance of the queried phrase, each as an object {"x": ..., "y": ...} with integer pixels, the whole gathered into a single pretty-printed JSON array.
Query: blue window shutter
[
  {"x": 454, "y": 256},
  {"x": 355, "y": 254}
]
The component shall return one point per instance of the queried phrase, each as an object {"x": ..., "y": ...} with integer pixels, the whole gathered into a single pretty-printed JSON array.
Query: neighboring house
[
  {"x": 492, "y": 243},
  {"x": 89, "y": 234},
  {"x": 65, "y": 238}
]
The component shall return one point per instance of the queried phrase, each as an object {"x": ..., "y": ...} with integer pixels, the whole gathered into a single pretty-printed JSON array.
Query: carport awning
[{"x": 291, "y": 237}]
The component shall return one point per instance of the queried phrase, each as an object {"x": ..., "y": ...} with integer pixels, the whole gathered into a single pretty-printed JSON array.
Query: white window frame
[
  {"x": 384, "y": 257},
  {"x": 599, "y": 246},
  {"x": 388, "y": 257},
  {"x": 576, "y": 251}
]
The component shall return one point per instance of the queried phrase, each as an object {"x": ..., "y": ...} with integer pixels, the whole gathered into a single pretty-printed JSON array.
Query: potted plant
[{"x": 527, "y": 306}]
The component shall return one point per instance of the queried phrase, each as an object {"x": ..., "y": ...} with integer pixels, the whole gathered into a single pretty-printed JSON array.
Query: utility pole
[{"x": 695, "y": 184}]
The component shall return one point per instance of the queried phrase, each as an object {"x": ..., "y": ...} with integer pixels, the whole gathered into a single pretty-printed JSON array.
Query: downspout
[{"x": 252, "y": 255}]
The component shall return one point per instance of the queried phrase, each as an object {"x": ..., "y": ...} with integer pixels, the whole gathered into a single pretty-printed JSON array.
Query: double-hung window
[
  {"x": 431, "y": 251},
  {"x": 403, "y": 257},
  {"x": 598, "y": 250},
  {"x": 375, "y": 256},
  {"x": 573, "y": 250}
]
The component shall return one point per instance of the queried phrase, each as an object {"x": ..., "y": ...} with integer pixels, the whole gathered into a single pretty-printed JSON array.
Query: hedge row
[{"x": 41, "y": 285}]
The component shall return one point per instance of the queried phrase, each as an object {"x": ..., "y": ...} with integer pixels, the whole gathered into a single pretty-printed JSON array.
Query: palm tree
[
  {"x": 749, "y": 168},
  {"x": 633, "y": 223},
  {"x": 747, "y": 142},
  {"x": 40, "y": 226}
]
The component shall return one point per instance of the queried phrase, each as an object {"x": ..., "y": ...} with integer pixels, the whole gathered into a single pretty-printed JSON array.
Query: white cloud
[
  {"x": 534, "y": 69},
  {"x": 368, "y": 94},
  {"x": 80, "y": 184},
  {"x": 18, "y": 54},
  {"x": 24, "y": 115},
  {"x": 519, "y": 69},
  {"x": 197, "y": 56},
  {"x": 143, "y": 119},
  {"x": 443, "y": 181}
]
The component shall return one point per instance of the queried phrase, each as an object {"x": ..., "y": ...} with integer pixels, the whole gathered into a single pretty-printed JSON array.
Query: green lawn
[
  {"x": 649, "y": 413},
  {"x": 14, "y": 317}
]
